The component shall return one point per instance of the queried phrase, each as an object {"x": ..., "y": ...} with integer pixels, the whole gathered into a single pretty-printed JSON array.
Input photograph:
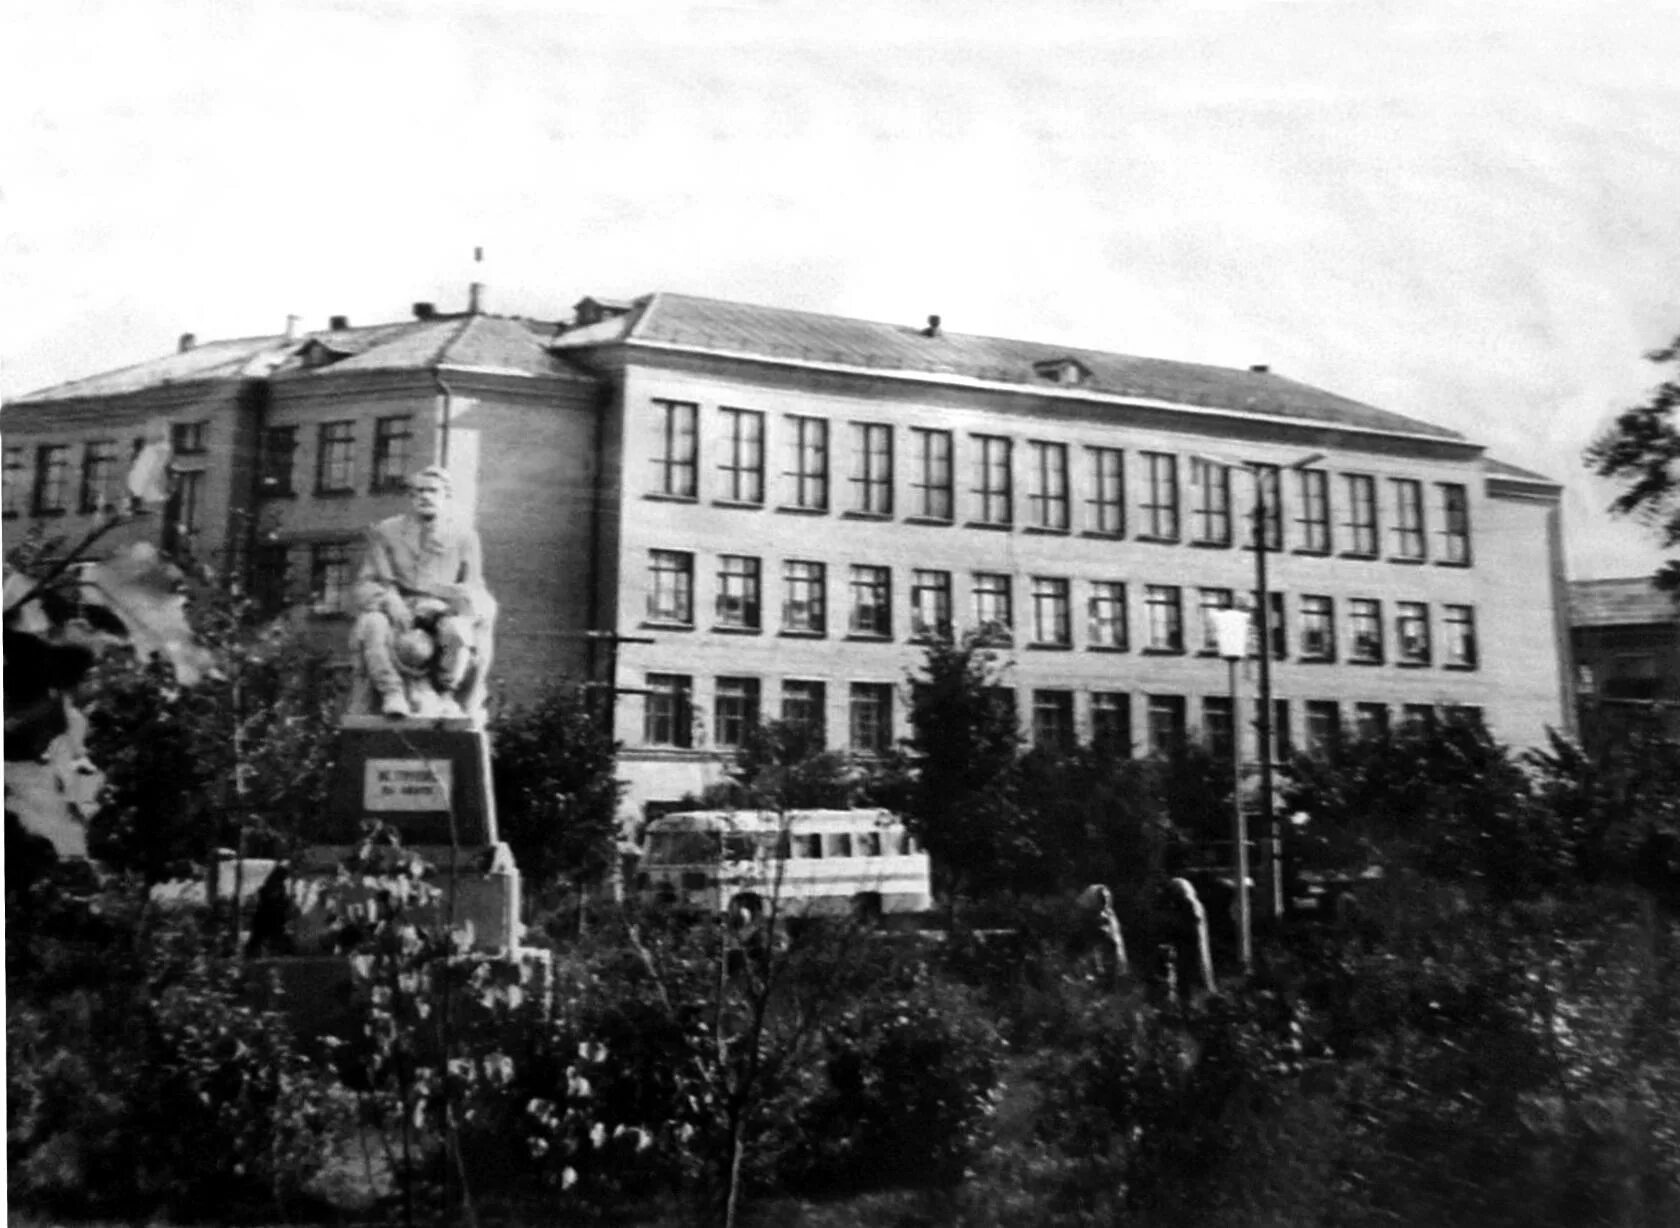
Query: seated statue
[{"x": 423, "y": 633}]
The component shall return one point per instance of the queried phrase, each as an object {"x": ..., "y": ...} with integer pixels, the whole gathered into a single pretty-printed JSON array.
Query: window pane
[
  {"x": 930, "y": 604},
  {"x": 1166, "y": 618},
  {"x": 872, "y": 465},
  {"x": 807, "y": 471},
  {"x": 1047, "y": 496},
  {"x": 993, "y": 495},
  {"x": 675, "y": 448},
  {"x": 1160, "y": 496},
  {"x": 871, "y": 601},
  {"x": 931, "y": 477},
  {"x": 1051, "y": 616},
  {"x": 871, "y": 717},
  {"x": 1108, "y": 491},
  {"x": 736, "y": 711},
  {"x": 804, "y": 607},
  {"x": 739, "y": 599},
  {"x": 1107, "y": 628},
  {"x": 671, "y": 587},
  {"x": 741, "y": 470}
]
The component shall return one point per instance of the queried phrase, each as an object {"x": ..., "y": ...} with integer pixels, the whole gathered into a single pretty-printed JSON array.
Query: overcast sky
[{"x": 1465, "y": 212}]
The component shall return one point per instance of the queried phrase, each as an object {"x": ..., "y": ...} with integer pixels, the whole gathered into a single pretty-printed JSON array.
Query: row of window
[
  {"x": 671, "y": 718},
  {"x": 1178, "y": 498},
  {"x": 335, "y": 457},
  {"x": 47, "y": 484},
  {"x": 739, "y": 607}
]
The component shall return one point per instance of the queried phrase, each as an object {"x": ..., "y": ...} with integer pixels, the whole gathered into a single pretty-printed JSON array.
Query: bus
[{"x": 805, "y": 862}]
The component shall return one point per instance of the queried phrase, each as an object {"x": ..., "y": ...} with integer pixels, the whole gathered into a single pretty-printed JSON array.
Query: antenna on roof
[{"x": 475, "y": 289}]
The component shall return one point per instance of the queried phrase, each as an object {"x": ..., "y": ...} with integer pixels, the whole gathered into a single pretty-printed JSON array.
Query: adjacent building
[
  {"x": 1626, "y": 639},
  {"x": 720, "y": 513}
]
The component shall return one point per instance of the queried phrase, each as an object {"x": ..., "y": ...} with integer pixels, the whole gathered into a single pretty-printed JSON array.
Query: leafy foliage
[
  {"x": 1642, "y": 450},
  {"x": 552, "y": 767}
]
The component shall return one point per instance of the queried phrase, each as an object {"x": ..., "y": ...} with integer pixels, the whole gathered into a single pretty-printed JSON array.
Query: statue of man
[{"x": 422, "y": 571}]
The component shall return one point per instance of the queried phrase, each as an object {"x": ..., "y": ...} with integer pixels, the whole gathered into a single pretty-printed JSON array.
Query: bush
[{"x": 909, "y": 1084}]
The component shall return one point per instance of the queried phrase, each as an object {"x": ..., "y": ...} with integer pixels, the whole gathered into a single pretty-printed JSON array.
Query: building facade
[{"x": 722, "y": 514}]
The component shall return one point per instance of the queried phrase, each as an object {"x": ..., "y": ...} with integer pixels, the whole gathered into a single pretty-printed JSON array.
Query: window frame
[
  {"x": 999, "y": 595},
  {"x": 670, "y": 594},
  {"x": 1106, "y": 507},
  {"x": 736, "y": 709},
  {"x": 326, "y": 557},
  {"x": 739, "y": 605},
  {"x": 994, "y": 481},
  {"x": 869, "y": 718},
  {"x": 741, "y": 467},
  {"x": 1367, "y": 642},
  {"x": 335, "y": 457},
  {"x": 1117, "y": 704},
  {"x": 51, "y": 495},
  {"x": 1052, "y": 605},
  {"x": 1317, "y": 634},
  {"x": 1407, "y": 612},
  {"x": 1167, "y": 601},
  {"x": 1316, "y": 512},
  {"x": 1053, "y": 727},
  {"x": 1459, "y": 644},
  {"x": 1410, "y": 532},
  {"x": 1364, "y": 522},
  {"x": 272, "y": 482},
  {"x": 1455, "y": 524},
  {"x": 872, "y": 468},
  {"x": 1159, "y": 509},
  {"x": 100, "y": 466},
  {"x": 870, "y": 586},
  {"x": 807, "y": 475},
  {"x": 942, "y": 592},
  {"x": 933, "y": 475},
  {"x": 1211, "y": 515},
  {"x": 809, "y": 578},
  {"x": 676, "y": 451},
  {"x": 397, "y": 429},
  {"x": 668, "y": 700},
  {"x": 1112, "y": 633},
  {"x": 1048, "y": 507},
  {"x": 811, "y": 693}
]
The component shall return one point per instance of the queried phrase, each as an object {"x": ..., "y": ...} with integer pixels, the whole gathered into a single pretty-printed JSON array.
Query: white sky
[{"x": 1466, "y": 212}]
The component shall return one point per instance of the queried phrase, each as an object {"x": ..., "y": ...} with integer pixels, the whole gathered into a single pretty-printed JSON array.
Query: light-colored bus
[{"x": 805, "y": 862}]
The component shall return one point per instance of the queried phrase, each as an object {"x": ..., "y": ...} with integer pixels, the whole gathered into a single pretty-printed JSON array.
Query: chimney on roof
[
  {"x": 425, "y": 311},
  {"x": 187, "y": 342},
  {"x": 339, "y": 323},
  {"x": 932, "y": 329},
  {"x": 292, "y": 322},
  {"x": 1260, "y": 368},
  {"x": 475, "y": 290}
]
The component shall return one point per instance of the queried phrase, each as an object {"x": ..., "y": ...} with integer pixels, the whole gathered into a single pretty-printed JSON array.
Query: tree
[
  {"x": 965, "y": 745},
  {"x": 554, "y": 772},
  {"x": 1642, "y": 450}
]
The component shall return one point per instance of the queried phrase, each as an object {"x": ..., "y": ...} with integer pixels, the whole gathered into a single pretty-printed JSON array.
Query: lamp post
[{"x": 1230, "y": 632}]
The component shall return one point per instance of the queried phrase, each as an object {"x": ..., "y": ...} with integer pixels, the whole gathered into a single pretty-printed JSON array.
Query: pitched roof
[
  {"x": 1500, "y": 469},
  {"x": 486, "y": 343},
  {"x": 1622, "y": 602},
  {"x": 716, "y": 326}
]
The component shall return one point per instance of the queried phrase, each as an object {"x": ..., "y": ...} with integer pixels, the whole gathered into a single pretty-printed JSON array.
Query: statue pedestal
[{"x": 430, "y": 782}]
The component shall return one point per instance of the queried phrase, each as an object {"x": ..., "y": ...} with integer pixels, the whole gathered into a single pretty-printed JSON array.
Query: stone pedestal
[{"x": 430, "y": 782}]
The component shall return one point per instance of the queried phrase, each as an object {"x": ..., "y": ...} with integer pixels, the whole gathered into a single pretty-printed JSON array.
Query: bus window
[
  {"x": 900, "y": 843},
  {"x": 676, "y": 848},
  {"x": 807, "y": 846},
  {"x": 869, "y": 844},
  {"x": 839, "y": 844},
  {"x": 739, "y": 846}
]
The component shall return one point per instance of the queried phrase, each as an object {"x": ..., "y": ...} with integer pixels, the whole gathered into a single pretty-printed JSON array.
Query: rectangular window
[
  {"x": 271, "y": 575},
  {"x": 1160, "y": 496},
  {"x": 1052, "y": 612},
  {"x": 1277, "y": 625},
  {"x": 1164, "y": 606},
  {"x": 676, "y": 448},
  {"x": 1324, "y": 725},
  {"x": 279, "y": 451},
  {"x": 1107, "y": 504},
  {"x": 52, "y": 479},
  {"x": 1318, "y": 628},
  {"x": 16, "y": 479},
  {"x": 335, "y": 458},
  {"x": 1365, "y": 623},
  {"x": 188, "y": 500},
  {"x": 735, "y": 710},
  {"x": 1166, "y": 724},
  {"x": 930, "y": 604},
  {"x": 1370, "y": 721},
  {"x": 807, "y": 467},
  {"x": 1418, "y": 717},
  {"x": 1111, "y": 721},
  {"x": 1209, "y": 600},
  {"x": 804, "y": 597},
  {"x": 1455, "y": 523},
  {"x": 872, "y": 602},
  {"x": 671, "y": 587},
  {"x": 1362, "y": 514},
  {"x": 669, "y": 710},
  {"x": 872, "y": 468},
  {"x": 741, "y": 469},
  {"x": 1458, "y": 634},
  {"x": 1268, "y": 481},
  {"x": 99, "y": 476},
  {"x": 740, "y": 593},
  {"x": 993, "y": 491},
  {"x": 872, "y": 717},
  {"x": 1408, "y": 518},
  {"x": 187, "y": 438},
  {"x": 930, "y": 483},
  {"x": 1047, "y": 488},
  {"x": 1411, "y": 632},
  {"x": 392, "y": 439},
  {"x": 1315, "y": 511},
  {"x": 329, "y": 577},
  {"x": 1210, "y": 484},
  {"x": 993, "y": 604},
  {"x": 1052, "y": 727},
  {"x": 1218, "y": 728},
  {"x": 804, "y": 705},
  {"x": 1107, "y": 627}
]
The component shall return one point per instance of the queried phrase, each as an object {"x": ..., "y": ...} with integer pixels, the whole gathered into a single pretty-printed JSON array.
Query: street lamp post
[{"x": 1230, "y": 631}]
